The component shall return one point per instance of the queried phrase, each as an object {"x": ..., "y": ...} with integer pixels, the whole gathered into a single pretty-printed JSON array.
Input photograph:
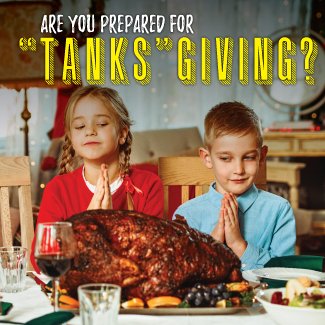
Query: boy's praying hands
[
  {"x": 227, "y": 227},
  {"x": 234, "y": 239}
]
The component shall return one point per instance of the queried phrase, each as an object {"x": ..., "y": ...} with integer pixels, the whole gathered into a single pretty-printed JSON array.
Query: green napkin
[
  {"x": 5, "y": 307},
  {"x": 316, "y": 263},
  {"x": 55, "y": 318}
]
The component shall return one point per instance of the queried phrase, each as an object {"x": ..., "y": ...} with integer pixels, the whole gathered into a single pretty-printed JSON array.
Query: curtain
[{"x": 165, "y": 102}]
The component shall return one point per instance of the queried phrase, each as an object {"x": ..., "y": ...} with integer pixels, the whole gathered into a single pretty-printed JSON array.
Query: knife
[{"x": 35, "y": 278}]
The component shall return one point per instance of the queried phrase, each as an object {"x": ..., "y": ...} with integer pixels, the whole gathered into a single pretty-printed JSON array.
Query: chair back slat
[
  {"x": 26, "y": 218},
  {"x": 5, "y": 217},
  {"x": 198, "y": 190},
  {"x": 187, "y": 171},
  {"x": 185, "y": 194},
  {"x": 166, "y": 201},
  {"x": 15, "y": 171}
]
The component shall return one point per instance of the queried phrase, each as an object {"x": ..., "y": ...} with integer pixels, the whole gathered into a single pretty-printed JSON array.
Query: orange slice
[
  {"x": 134, "y": 303},
  {"x": 163, "y": 302}
]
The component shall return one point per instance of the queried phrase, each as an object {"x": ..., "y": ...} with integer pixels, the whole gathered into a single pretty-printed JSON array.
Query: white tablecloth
[{"x": 32, "y": 303}]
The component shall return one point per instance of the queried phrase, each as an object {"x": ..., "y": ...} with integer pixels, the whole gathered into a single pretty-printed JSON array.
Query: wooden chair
[
  {"x": 15, "y": 171},
  {"x": 187, "y": 171}
]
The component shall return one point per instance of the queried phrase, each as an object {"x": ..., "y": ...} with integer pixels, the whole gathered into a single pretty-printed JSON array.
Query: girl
[{"x": 97, "y": 127}]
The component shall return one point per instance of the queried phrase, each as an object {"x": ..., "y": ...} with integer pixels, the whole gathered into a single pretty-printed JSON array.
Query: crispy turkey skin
[{"x": 147, "y": 256}]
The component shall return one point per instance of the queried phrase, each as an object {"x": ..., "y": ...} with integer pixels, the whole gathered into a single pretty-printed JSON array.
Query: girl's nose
[{"x": 90, "y": 130}]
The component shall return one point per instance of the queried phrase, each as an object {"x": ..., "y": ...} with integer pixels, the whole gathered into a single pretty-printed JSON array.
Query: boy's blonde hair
[
  {"x": 120, "y": 117},
  {"x": 231, "y": 118}
]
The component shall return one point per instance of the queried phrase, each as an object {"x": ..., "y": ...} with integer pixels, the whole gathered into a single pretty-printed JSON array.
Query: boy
[{"x": 255, "y": 224}]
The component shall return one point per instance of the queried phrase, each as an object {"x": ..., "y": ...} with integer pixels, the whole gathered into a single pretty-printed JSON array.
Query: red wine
[{"x": 53, "y": 265}]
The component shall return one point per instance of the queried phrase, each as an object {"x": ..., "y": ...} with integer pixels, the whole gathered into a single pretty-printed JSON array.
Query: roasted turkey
[{"x": 147, "y": 256}]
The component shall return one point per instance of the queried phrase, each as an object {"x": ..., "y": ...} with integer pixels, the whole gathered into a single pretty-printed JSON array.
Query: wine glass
[{"x": 54, "y": 250}]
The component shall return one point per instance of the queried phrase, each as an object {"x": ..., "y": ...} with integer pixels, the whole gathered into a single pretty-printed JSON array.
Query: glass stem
[{"x": 55, "y": 285}]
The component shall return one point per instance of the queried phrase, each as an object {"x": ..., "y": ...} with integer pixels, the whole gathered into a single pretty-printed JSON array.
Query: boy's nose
[{"x": 239, "y": 168}]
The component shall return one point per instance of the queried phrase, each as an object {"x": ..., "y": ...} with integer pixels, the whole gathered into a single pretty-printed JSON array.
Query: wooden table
[{"x": 295, "y": 144}]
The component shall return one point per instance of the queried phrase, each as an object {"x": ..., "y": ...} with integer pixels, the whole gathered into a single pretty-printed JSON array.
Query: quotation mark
[
  {"x": 165, "y": 43},
  {"x": 27, "y": 44}
]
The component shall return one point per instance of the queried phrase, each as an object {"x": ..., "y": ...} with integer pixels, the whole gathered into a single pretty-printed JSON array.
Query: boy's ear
[
  {"x": 264, "y": 151},
  {"x": 205, "y": 156}
]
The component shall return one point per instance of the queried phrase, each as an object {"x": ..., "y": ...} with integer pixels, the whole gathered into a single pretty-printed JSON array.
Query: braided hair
[{"x": 119, "y": 114}]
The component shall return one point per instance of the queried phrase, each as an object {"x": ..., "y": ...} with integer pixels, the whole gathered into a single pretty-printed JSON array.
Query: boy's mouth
[{"x": 238, "y": 181}]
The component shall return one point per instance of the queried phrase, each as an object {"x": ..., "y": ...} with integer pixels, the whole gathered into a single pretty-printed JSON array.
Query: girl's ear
[
  {"x": 123, "y": 135},
  {"x": 205, "y": 156}
]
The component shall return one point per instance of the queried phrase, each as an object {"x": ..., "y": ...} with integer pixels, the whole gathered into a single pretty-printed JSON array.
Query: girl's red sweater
[{"x": 68, "y": 194}]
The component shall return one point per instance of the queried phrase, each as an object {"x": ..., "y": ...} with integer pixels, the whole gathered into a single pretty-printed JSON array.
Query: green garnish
[
  {"x": 228, "y": 304},
  {"x": 183, "y": 304},
  {"x": 247, "y": 297}
]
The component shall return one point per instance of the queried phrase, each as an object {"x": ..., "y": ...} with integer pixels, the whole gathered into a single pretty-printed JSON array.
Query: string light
[
  {"x": 32, "y": 143},
  {"x": 280, "y": 20},
  {"x": 46, "y": 96},
  {"x": 165, "y": 106},
  {"x": 42, "y": 186},
  {"x": 166, "y": 120},
  {"x": 159, "y": 74},
  {"x": 153, "y": 90},
  {"x": 266, "y": 130},
  {"x": 318, "y": 15},
  {"x": 272, "y": 127},
  {"x": 314, "y": 115},
  {"x": 33, "y": 163},
  {"x": 317, "y": 128},
  {"x": 277, "y": 105}
]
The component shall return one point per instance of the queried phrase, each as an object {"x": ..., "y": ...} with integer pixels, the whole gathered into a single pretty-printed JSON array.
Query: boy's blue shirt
[{"x": 266, "y": 223}]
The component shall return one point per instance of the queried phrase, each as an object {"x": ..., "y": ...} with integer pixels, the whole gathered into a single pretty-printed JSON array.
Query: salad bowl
[{"x": 287, "y": 315}]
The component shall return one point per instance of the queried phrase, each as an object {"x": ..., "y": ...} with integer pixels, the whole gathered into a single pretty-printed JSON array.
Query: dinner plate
[
  {"x": 178, "y": 311},
  {"x": 185, "y": 311},
  {"x": 285, "y": 273}
]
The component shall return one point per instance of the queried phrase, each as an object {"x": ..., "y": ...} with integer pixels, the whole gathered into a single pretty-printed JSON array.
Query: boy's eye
[
  {"x": 250, "y": 157},
  {"x": 102, "y": 124},
  {"x": 79, "y": 127},
  {"x": 224, "y": 158}
]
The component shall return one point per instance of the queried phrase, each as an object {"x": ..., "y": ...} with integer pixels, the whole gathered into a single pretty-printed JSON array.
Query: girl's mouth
[{"x": 90, "y": 143}]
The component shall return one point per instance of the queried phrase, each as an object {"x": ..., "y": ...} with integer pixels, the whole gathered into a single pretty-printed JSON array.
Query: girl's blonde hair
[{"x": 119, "y": 114}]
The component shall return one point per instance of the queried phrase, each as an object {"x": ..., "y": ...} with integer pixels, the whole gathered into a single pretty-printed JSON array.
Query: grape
[
  {"x": 212, "y": 302},
  {"x": 221, "y": 287},
  {"x": 207, "y": 289},
  {"x": 215, "y": 292},
  {"x": 219, "y": 298},
  {"x": 199, "y": 295},
  {"x": 199, "y": 286},
  {"x": 198, "y": 301},
  {"x": 225, "y": 295},
  {"x": 193, "y": 290},
  {"x": 190, "y": 296},
  {"x": 207, "y": 296}
]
